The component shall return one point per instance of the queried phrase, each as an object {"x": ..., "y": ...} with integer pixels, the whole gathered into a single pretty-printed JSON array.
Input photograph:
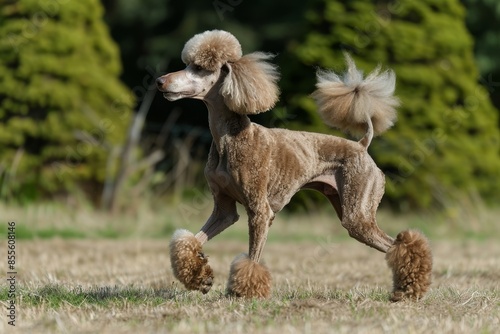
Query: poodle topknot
[{"x": 211, "y": 49}]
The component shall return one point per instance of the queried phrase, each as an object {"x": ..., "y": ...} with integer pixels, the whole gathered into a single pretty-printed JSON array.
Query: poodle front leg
[
  {"x": 258, "y": 227},
  {"x": 189, "y": 263},
  {"x": 248, "y": 278},
  {"x": 223, "y": 216}
]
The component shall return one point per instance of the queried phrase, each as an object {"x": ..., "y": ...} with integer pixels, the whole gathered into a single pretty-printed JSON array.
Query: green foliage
[
  {"x": 62, "y": 107},
  {"x": 481, "y": 18},
  {"x": 446, "y": 141},
  {"x": 482, "y": 21}
]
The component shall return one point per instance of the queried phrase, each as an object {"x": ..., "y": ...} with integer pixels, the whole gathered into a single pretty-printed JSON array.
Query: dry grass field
[{"x": 324, "y": 282}]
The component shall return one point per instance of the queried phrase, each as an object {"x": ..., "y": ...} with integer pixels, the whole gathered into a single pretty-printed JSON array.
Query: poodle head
[{"x": 214, "y": 60}]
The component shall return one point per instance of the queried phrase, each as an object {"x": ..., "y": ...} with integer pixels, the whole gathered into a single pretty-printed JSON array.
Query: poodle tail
[{"x": 355, "y": 104}]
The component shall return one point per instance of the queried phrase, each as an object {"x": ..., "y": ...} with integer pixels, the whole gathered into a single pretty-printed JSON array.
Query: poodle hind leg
[
  {"x": 409, "y": 256},
  {"x": 410, "y": 259},
  {"x": 366, "y": 230},
  {"x": 361, "y": 195}
]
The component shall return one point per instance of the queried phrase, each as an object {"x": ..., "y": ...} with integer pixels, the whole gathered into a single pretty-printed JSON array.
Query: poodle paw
[
  {"x": 205, "y": 279},
  {"x": 189, "y": 263},
  {"x": 410, "y": 259},
  {"x": 248, "y": 279}
]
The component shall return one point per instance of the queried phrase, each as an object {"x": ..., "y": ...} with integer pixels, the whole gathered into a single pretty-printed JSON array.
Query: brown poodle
[{"x": 263, "y": 168}]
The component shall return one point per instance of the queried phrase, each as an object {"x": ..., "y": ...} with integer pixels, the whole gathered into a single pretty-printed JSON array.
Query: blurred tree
[
  {"x": 151, "y": 35},
  {"x": 483, "y": 17},
  {"x": 445, "y": 115},
  {"x": 446, "y": 141},
  {"x": 62, "y": 106}
]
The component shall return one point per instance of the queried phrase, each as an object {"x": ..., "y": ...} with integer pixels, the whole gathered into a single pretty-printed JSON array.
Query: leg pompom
[
  {"x": 410, "y": 259},
  {"x": 248, "y": 278},
  {"x": 189, "y": 264}
]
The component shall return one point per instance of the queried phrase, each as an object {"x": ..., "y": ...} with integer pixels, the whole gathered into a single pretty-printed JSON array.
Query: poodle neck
[{"x": 224, "y": 122}]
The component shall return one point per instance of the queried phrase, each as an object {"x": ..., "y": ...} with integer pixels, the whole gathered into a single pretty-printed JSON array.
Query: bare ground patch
[{"x": 126, "y": 286}]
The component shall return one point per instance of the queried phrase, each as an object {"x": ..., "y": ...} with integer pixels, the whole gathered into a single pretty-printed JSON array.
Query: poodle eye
[{"x": 197, "y": 68}]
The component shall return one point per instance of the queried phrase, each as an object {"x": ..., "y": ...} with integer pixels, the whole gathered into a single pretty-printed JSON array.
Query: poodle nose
[{"x": 160, "y": 81}]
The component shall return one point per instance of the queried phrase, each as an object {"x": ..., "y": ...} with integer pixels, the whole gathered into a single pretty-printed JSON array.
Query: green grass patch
[
  {"x": 27, "y": 233},
  {"x": 110, "y": 233},
  {"x": 54, "y": 296},
  {"x": 45, "y": 221}
]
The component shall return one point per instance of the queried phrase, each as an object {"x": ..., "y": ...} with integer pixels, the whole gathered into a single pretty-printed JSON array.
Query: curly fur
[
  {"x": 348, "y": 102},
  {"x": 410, "y": 259},
  {"x": 189, "y": 264},
  {"x": 250, "y": 86},
  {"x": 248, "y": 279},
  {"x": 211, "y": 49}
]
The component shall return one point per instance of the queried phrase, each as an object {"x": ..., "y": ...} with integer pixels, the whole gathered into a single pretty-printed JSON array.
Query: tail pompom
[
  {"x": 189, "y": 263},
  {"x": 349, "y": 101},
  {"x": 410, "y": 259},
  {"x": 248, "y": 279}
]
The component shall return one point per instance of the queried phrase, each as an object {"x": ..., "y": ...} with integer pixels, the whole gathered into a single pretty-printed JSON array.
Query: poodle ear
[{"x": 250, "y": 85}]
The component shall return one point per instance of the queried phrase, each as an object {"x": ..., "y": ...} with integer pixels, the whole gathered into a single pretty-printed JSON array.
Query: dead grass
[
  {"x": 126, "y": 286},
  {"x": 324, "y": 282}
]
